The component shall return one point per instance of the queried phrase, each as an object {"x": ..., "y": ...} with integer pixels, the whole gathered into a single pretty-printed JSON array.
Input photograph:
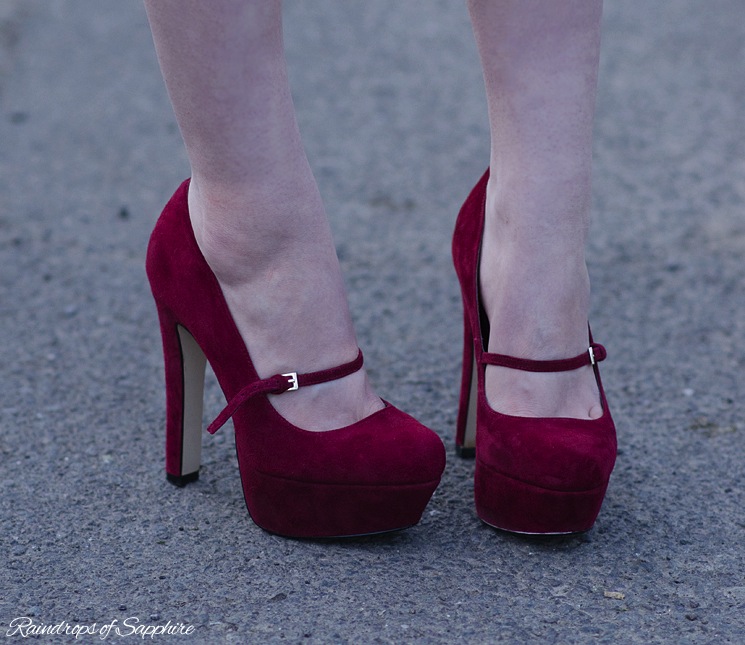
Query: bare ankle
[
  {"x": 244, "y": 231},
  {"x": 536, "y": 310}
]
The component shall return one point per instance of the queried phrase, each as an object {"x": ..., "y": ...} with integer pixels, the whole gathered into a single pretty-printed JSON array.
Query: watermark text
[{"x": 25, "y": 626}]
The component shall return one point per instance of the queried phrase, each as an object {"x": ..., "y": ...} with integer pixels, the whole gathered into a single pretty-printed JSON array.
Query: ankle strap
[
  {"x": 280, "y": 383},
  {"x": 594, "y": 354}
]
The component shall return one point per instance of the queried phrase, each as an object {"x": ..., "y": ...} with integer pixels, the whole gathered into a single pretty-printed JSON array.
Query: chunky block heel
[
  {"x": 465, "y": 434},
  {"x": 185, "y": 366},
  {"x": 373, "y": 476},
  {"x": 532, "y": 475}
]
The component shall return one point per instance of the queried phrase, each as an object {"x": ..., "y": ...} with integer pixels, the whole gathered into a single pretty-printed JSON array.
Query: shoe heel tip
[
  {"x": 182, "y": 480},
  {"x": 464, "y": 452}
]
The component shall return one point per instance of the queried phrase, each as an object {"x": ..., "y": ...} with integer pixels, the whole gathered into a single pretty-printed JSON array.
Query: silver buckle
[
  {"x": 592, "y": 355},
  {"x": 292, "y": 376}
]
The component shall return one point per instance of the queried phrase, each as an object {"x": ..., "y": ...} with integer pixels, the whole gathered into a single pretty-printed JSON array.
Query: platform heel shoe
[
  {"x": 374, "y": 476},
  {"x": 532, "y": 475}
]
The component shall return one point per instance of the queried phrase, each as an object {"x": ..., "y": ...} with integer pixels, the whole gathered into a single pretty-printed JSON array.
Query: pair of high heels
[{"x": 378, "y": 474}]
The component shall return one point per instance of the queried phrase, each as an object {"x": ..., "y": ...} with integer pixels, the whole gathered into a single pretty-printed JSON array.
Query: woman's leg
[
  {"x": 540, "y": 62},
  {"x": 255, "y": 207}
]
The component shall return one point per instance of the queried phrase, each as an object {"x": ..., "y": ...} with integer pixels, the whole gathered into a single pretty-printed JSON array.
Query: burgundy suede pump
[
  {"x": 373, "y": 476},
  {"x": 533, "y": 475}
]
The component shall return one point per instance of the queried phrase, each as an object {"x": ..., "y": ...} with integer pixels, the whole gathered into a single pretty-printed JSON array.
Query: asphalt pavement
[{"x": 390, "y": 102}]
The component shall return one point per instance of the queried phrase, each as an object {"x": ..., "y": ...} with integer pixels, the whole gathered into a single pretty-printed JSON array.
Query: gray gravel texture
[{"x": 390, "y": 101}]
